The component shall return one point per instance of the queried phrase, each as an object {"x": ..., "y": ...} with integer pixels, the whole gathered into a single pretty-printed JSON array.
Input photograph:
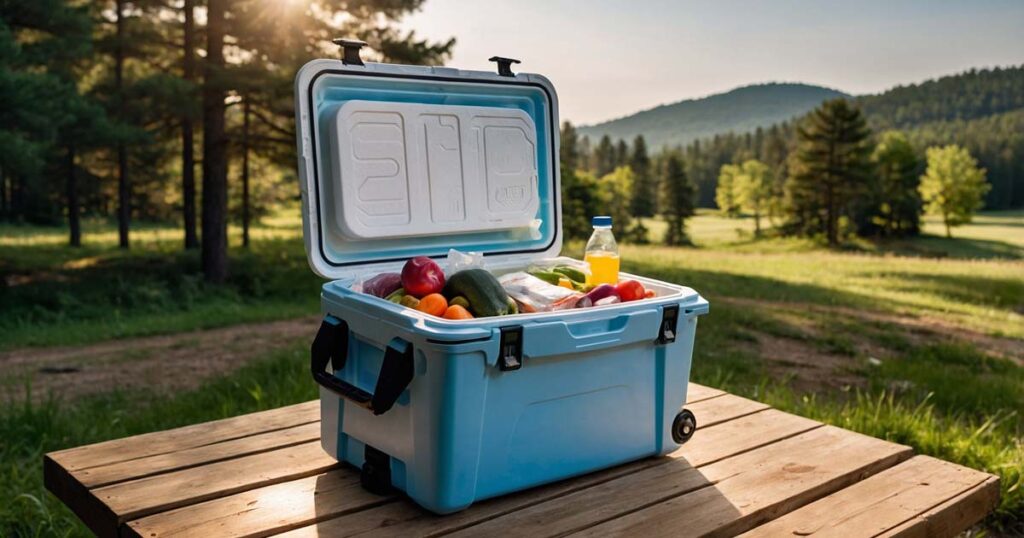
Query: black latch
[
  {"x": 669, "y": 320},
  {"x": 375, "y": 476},
  {"x": 504, "y": 65},
  {"x": 510, "y": 350},
  {"x": 350, "y": 50}
]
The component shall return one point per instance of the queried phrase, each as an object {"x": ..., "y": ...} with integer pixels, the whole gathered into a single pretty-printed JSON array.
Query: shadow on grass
[{"x": 933, "y": 246}]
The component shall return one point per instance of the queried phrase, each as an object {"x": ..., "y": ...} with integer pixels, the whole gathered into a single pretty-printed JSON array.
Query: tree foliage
[
  {"x": 678, "y": 196},
  {"x": 725, "y": 192},
  {"x": 953, "y": 185},
  {"x": 894, "y": 208},
  {"x": 754, "y": 188}
]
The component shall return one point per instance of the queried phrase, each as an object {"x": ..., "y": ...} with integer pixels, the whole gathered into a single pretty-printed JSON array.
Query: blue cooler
[{"x": 397, "y": 161}]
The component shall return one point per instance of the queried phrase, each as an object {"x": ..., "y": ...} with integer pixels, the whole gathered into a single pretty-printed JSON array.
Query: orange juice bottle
[{"x": 602, "y": 253}]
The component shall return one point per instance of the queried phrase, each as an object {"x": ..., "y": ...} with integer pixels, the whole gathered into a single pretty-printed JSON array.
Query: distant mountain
[{"x": 740, "y": 110}]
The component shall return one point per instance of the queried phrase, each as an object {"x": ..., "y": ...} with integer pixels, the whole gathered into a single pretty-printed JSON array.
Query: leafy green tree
[
  {"x": 754, "y": 189},
  {"x": 644, "y": 198},
  {"x": 953, "y": 186},
  {"x": 830, "y": 168},
  {"x": 679, "y": 196},
  {"x": 897, "y": 211},
  {"x": 616, "y": 191},
  {"x": 581, "y": 200},
  {"x": 725, "y": 190}
]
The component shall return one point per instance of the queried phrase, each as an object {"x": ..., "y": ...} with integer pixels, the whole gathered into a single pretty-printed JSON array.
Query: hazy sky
[{"x": 611, "y": 58}]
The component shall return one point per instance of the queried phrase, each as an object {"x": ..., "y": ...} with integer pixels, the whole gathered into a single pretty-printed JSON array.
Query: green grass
[{"x": 30, "y": 430}]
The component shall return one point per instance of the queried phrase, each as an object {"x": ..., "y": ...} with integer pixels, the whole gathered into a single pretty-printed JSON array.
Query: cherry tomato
[{"x": 629, "y": 290}]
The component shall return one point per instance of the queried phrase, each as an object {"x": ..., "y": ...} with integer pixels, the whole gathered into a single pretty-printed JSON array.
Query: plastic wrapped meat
[{"x": 535, "y": 295}]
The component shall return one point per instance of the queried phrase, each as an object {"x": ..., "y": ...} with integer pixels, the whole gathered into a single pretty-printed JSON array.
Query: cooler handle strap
[{"x": 331, "y": 345}]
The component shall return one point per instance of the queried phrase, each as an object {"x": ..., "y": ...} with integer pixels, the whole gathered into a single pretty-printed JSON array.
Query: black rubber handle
[{"x": 331, "y": 346}]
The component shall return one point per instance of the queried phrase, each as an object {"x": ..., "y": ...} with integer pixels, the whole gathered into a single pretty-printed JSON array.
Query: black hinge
[
  {"x": 376, "y": 473},
  {"x": 669, "y": 321},
  {"x": 510, "y": 349},
  {"x": 350, "y": 50},
  {"x": 504, "y": 65}
]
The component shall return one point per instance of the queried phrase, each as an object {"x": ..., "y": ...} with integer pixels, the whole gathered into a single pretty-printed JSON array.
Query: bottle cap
[{"x": 601, "y": 221}]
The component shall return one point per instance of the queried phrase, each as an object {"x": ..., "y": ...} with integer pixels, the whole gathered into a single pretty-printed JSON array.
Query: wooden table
[{"x": 748, "y": 469}]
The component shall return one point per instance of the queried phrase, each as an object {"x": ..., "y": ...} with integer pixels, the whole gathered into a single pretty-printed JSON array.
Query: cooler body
[{"x": 486, "y": 413}]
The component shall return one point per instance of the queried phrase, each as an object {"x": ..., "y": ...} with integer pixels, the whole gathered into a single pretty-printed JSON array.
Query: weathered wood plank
[
  {"x": 94, "y": 514},
  {"x": 953, "y": 516},
  {"x": 733, "y": 495},
  {"x": 145, "y": 496},
  {"x": 402, "y": 519},
  {"x": 696, "y": 393},
  {"x": 723, "y": 408},
  {"x": 881, "y": 502},
  {"x": 162, "y": 442},
  {"x": 264, "y": 511},
  {"x": 147, "y": 466}
]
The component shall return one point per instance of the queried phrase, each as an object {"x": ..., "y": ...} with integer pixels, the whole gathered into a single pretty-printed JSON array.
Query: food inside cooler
[{"x": 470, "y": 291}]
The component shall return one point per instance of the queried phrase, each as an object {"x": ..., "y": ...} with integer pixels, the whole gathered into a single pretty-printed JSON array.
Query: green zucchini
[{"x": 485, "y": 295}]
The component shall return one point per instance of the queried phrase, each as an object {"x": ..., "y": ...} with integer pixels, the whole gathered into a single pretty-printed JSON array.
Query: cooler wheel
[{"x": 683, "y": 426}]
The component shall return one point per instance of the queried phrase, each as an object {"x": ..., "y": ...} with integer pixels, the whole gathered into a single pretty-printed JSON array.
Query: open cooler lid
[{"x": 397, "y": 161}]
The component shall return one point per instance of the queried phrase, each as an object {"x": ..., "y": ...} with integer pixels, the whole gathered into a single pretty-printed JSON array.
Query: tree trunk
[
  {"x": 215, "y": 146},
  {"x": 245, "y": 173},
  {"x": 5, "y": 200},
  {"x": 830, "y": 209},
  {"x": 757, "y": 223},
  {"x": 945, "y": 220},
  {"x": 74, "y": 223},
  {"x": 123, "y": 201},
  {"x": 188, "y": 162}
]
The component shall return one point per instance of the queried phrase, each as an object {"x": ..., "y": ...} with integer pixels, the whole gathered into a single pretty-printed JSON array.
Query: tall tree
[
  {"x": 621, "y": 154},
  {"x": 644, "y": 195},
  {"x": 188, "y": 163},
  {"x": 123, "y": 188},
  {"x": 604, "y": 157},
  {"x": 753, "y": 188},
  {"x": 725, "y": 191},
  {"x": 953, "y": 186},
  {"x": 245, "y": 171},
  {"x": 897, "y": 209},
  {"x": 679, "y": 194},
  {"x": 830, "y": 167},
  {"x": 569, "y": 152},
  {"x": 615, "y": 191},
  {"x": 215, "y": 148}
]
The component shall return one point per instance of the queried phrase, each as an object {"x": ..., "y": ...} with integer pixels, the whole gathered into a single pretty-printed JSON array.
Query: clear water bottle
[{"x": 602, "y": 253}]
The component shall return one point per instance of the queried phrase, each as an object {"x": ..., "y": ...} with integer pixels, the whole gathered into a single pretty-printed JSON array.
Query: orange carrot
[
  {"x": 434, "y": 304},
  {"x": 457, "y": 312}
]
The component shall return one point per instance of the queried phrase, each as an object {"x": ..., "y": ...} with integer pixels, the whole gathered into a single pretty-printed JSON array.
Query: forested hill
[
  {"x": 740, "y": 110},
  {"x": 966, "y": 96}
]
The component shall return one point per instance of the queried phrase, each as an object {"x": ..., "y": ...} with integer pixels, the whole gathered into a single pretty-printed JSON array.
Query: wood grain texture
[
  {"x": 696, "y": 393},
  {"x": 138, "y": 498},
  {"x": 953, "y": 516},
  {"x": 879, "y": 503},
  {"x": 265, "y": 511},
  {"x": 723, "y": 408},
  {"x": 162, "y": 442},
  {"x": 754, "y": 487},
  {"x": 161, "y": 463}
]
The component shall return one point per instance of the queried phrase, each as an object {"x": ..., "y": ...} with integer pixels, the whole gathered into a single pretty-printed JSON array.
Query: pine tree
[
  {"x": 188, "y": 163},
  {"x": 829, "y": 169},
  {"x": 621, "y": 154},
  {"x": 569, "y": 153},
  {"x": 604, "y": 157},
  {"x": 953, "y": 186},
  {"x": 644, "y": 195},
  {"x": 678, "y": 196}
]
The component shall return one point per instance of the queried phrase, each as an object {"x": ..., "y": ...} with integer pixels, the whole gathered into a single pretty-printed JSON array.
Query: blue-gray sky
[{"x": 612, "y": 58}]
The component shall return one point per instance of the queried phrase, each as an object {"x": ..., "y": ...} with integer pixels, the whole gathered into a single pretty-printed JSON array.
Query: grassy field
[{"x": 920, "y": 341}]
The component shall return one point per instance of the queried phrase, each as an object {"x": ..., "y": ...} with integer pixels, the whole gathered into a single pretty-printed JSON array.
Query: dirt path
[{"x": 164, "y": 363}]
